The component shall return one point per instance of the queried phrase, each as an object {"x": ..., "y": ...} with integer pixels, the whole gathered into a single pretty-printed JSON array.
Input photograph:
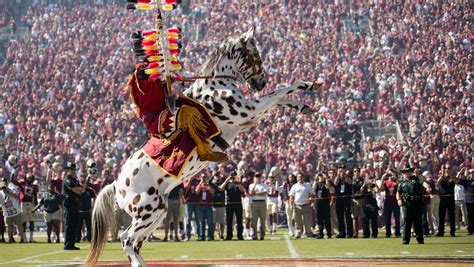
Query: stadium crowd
[{"x": 63, "y": 99}]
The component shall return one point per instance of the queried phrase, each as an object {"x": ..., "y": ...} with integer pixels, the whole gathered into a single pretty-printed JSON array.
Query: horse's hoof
[
  {"x": 308, "y": 111},
  {"x": 317, "y": 84}
]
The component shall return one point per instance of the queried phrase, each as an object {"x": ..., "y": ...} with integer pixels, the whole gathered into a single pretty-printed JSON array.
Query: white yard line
[
  {"x": 36, "y": 256},
  {"x": 239, "y": 256},
  {"x": 460, "y": 251},
  {"x": 349, "y": 254},
  {"x": 405, "y": 252},
  {"x": 291, "y": 248},
  {"x": 184, "y": 257}
]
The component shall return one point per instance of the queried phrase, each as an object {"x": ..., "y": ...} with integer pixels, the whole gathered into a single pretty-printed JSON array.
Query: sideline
[
  {"x": 37, "y": 256},
  {"x": 291, "y": 248}
]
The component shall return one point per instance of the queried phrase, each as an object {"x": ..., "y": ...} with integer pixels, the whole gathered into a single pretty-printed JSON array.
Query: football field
[{"x": 277, "y": 249}]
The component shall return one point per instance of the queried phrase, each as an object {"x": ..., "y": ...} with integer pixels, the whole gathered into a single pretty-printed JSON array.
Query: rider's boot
[{"x": 190, "y": 118}]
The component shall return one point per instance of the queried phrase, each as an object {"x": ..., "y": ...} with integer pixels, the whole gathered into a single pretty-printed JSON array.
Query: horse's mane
[{"x": 216, "y": 57}]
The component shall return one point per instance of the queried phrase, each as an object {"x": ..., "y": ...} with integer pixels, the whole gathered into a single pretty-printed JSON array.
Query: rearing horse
[{"x": 142, "y": 188}]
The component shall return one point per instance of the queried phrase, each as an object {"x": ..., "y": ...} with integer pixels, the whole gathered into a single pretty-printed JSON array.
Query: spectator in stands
[
  {"x": 51, "y": 204},
  {"x": 205, "y": 194},
  {"x": 258, "y": 191},
  {"x": 300, "y": 195}
]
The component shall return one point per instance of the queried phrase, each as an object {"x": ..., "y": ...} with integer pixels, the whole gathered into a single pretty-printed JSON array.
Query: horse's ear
[{"x": 249, "y": 33}]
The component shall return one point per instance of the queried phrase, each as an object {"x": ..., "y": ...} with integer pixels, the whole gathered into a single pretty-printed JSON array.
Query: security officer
[
  {"x": 72, "y": 191},
  {"x": 409, "y": 197}
]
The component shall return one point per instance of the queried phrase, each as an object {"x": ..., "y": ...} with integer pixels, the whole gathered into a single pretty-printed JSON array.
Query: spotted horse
[{"x": 141, "y": 188}]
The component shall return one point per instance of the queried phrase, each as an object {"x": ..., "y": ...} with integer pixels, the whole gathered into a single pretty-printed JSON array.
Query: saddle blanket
[{"x": 171, "y": 153}]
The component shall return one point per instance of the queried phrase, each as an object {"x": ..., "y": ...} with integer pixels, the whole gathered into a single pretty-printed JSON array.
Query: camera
[{"x": 233, "y": 174}]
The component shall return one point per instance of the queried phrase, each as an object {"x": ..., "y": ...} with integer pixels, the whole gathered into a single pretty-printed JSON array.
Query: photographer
[
  {"x": 369, "y": 189},
  {"x": 234, "y": 190},
  {"x": 446, "y": 182},
  {"x": 321, "y": 188},
  {"x": 389, "y": 185},
  {"x": 218, "y": 203},
  {"x": 11, "y": 210},
  {"x": 205, "y": 193},
  {"x": 343, "y": 188},
  {"x": 52, "y": 211},
  {"x": 85, "y": 209}
]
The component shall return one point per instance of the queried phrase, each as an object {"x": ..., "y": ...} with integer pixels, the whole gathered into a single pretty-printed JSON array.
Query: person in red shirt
[
  {"x": 205, "y": 192},
  {"x": 28, "y": 199},
  {"x": 149, "y": 98},
  {"x": 389, "y": 186},
  {"x": 191, "y": 202}
]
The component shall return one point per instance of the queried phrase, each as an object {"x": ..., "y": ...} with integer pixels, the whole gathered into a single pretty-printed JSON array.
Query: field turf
[{"x": 276, "y": 249}]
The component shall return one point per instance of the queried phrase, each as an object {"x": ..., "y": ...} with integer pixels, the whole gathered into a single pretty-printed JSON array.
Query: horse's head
[
  {"x": 238, "y": 55},
  {"x": 249, "y": 62}
]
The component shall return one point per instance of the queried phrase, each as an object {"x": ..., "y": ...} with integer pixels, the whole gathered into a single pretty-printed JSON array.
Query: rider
[{"x": 149, "y": 97}]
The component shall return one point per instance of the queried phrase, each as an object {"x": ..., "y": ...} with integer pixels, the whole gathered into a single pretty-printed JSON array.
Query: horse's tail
[{"x": 103, "y": 218}]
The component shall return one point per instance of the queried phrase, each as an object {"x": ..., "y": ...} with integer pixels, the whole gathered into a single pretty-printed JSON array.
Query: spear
[{"x": 169, "y": 94}]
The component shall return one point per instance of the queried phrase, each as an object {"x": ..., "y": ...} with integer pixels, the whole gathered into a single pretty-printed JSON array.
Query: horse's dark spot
[
  {"x": 167, "y": 176},
  {"x": 135, "y": 171},
  {"x": 207, "y": 97},
  {"x": 207, "y": 105},
  {"x": 206, "y": 81},
  {"x": 130, "y": 207},
  {"x": 140, "y": 244},
  {"x": 141, "y": 155},
  {"x": 213, "y": 83},
  {"x": 213, "y": 146},
  {"x": 223, "y": 69},
  {"x": 161, "y": 206},
  {"x": 140, "y": 209},
  {"x": 230, "y": 122},
  {"x": 233, "y": 111},
  {"x": 155, "y": 209},
  {"x": 302, "y": 87},
  {"x": 238, "y": 104},
  {"x": 151, "y": 191},
  {"x": 289, "y": 92},
  {"x": 136, "y": 199},
  {"x": 148, "y": 207},
  {"x": 247, "y": 107},
  {"x": 252, "y": 118},
  {"x": 155, "y": 199},
  {"x": 127, "y": 182},
  {"x": 146, "y": 216},
  {"x": 192, "y": 167},
  {"x": 134, "y": 209},
  {"x": 221, "y": 83},
  {"x": 230, "y": 100},
  {"x": 257, "y": 101},
  {"x": 218, "y": 107},
  {"x": 212, "y": 88},
  {"x": 129, "y": 259},
  {"x": 139, "y": 228},
  {"x": 123, "y": 193},
  {"x": 191, "y": 158},
  {"x": 223, "y": 118},
  {"x": 243, "y": 114},
  {"x": 160, "y": 181}
]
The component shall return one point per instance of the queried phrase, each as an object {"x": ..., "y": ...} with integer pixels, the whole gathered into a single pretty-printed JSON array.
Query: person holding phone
[{"x": 234, "y": 193}]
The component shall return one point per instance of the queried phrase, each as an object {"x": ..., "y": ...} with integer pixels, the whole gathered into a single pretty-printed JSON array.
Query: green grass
[{"x": 460, "y": 247}]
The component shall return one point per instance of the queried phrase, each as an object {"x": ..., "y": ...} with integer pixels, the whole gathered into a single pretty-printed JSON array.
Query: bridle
[
  {"x": 252, "y": 60},
  {"x": 246, "y": 55}
]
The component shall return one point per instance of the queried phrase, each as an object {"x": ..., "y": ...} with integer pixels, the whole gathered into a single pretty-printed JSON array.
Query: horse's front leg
[
  {"x": 261, "y": 106},
  {"x": 295, "y": 104}
]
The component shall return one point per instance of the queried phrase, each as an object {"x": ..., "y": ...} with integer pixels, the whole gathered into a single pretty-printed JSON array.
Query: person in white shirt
[
  {"x": 10, "y": 203},
  {"x": 258, "y": 193},
  {"x": 300, "y": 195},
  {"x": 460, "y": 201}
]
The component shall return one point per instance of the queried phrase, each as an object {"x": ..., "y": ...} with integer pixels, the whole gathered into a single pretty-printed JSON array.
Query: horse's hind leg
[{"x": 137, "y": 233}]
